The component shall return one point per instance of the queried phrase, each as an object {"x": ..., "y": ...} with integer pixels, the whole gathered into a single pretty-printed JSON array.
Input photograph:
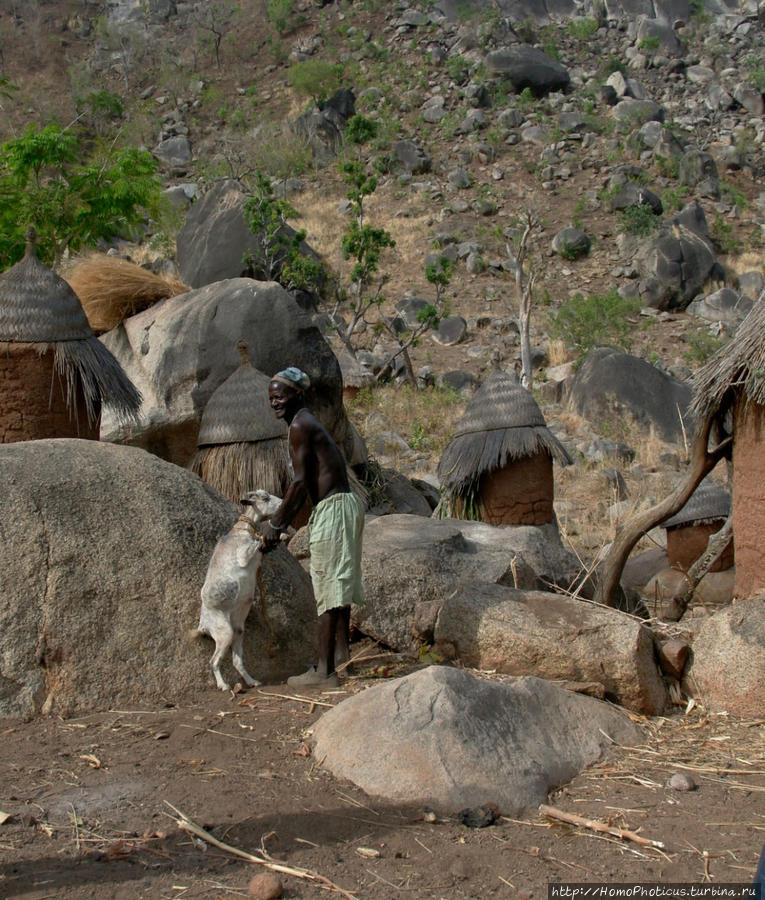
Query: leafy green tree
[
  {"x": 73, "y": 193},
  {"x": 362, "y": 243},
  {"x": 597, "y": 320},
  {"x": 360, "y": 129},
  {"x": 279, "y": 257},
  {"x": 315, "y": 78}
]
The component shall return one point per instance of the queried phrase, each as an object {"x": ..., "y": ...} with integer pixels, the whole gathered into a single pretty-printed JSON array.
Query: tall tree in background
[{"x": 72, "y": 191}]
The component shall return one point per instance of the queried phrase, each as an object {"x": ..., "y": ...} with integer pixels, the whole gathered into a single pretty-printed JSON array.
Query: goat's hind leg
[
  {"x": 224, "y": 637},
  {"x": 237, "y": 650}
]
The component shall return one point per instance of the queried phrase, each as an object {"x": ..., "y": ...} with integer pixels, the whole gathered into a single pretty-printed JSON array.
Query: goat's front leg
[{"x": 237, "y": 657}]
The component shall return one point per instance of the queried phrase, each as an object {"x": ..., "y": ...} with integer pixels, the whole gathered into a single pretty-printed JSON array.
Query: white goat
[{"x": 229, "y": 588}]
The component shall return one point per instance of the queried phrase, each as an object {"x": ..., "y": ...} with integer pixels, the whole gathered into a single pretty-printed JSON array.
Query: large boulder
[
  {"x": 727, "y": 670},
  {"x": 323, "y": 126},
  {"x": 526, "y": 67},
  {"x": 491, "y": 626},
  {"x": 445, "y": 738},
  {"x": 216, "y": 242},
  {"x": 674, "y": 267},
  {"x": 610, "y": 383},
  {"x": 104, "y": 551},
  {"x": 726, "y": 306},
  {"x": 180, "y": 350},
  {"x": 409, "y": 561}
]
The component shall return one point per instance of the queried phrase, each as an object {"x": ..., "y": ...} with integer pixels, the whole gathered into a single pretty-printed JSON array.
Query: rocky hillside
[{"x": 630, "y": 134}]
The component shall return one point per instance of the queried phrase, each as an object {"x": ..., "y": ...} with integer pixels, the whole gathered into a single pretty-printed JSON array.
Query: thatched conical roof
[
  {"x": 708, "y": 503},
  {"x": 501, "y": 423},
  {"x": 738, "y": 366},
  {"x": 239, "y": 411},
  {"x": 38, "y": 307}
]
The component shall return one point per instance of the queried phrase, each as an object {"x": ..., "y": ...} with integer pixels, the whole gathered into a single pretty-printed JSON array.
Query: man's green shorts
[{"x": 336, "y": 527}]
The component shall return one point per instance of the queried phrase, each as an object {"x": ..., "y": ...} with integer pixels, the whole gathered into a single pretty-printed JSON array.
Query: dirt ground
[{"x": 90, "y": 807}]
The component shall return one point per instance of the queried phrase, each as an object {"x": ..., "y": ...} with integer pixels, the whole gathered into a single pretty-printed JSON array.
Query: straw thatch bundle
[
  {"x": 242, "y": 446},
  {"x": 112, "y": 289},
  {"x": 736, "y": 367},
  {"x": 707, "y": 504},
  {"x": 39, "y": 308},
  {"x": 501, "y": 423}
]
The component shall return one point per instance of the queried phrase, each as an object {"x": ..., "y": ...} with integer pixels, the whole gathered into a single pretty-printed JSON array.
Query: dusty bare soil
[{"x": 91, "y": 808}]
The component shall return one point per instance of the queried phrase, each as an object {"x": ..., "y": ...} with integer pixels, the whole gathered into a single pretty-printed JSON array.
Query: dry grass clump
[{"x": 111, "y": 289}]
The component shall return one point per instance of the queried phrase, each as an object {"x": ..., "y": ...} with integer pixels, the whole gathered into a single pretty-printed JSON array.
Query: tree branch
[{"x": 703, "y": 460}]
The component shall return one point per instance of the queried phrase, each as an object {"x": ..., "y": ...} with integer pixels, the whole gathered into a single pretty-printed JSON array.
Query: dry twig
[
  {"x": 573, "y": 819},
  {"x": 186, "y": 824}
]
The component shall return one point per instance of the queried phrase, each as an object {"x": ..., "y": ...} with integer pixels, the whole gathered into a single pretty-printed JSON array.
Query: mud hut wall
[
  {"x": 749, "y": 498},
  {"x": 686, "y": 543},
  {"x": 521, "y": 493},
  {"x": 33, "y": 398}
]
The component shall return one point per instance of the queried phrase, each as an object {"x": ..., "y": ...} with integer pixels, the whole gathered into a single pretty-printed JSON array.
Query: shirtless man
[{"x": 336, "y": 524}]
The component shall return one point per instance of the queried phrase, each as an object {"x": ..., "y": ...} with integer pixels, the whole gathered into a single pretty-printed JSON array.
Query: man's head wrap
[{"x": 294, "y": 378}]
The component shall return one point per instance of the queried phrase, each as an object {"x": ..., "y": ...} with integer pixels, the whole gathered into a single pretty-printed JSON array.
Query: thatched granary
[
  {"x": 733, "y": 382},
  {"x": 355, "y": 376},
  {"x": 499, "y": 466},
  {"x": 54, "y": 372},
  {"x": 242, "y": 446},
  {"x": 689, "y": 529},
  {"x": 111, "y": 289}
]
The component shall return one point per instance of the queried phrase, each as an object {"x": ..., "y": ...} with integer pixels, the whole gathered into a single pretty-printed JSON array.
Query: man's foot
[
  {"x": 342, "y": 662},
  {"x": 312, "y": 678}
]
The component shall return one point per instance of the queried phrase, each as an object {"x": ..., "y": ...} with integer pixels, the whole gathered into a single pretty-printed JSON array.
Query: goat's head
[{"x": 263, "y": 504}]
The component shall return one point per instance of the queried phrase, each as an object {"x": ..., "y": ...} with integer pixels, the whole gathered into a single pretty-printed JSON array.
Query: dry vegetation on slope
[{"x": 227, "y": 71}]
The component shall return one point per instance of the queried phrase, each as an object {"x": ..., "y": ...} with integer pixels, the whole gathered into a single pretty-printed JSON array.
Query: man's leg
[
  {"x": 342, "y": 635},
  {"x": 323, "y": 674},
  {"x": 327, "y": 629}
]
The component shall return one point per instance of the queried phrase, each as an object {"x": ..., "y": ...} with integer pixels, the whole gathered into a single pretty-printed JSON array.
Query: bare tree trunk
[
  {"x": 715, "y": 546},
  {"x": 524, "y": 290},
  {"x": 703, "y": 460},
  {"x": 524, "y": 319}
]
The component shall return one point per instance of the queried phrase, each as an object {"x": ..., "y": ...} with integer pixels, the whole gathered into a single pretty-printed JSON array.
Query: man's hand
[{"x": 269, "y": 537}]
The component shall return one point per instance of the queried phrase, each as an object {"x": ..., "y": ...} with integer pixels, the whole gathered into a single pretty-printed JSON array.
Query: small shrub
[
  {"x": 573, "y": 252},
  {"x": 733, "y": 195},
  {"x": 674, "y": 198},
  {"x": 593, "y": 321},
  {"x": 582, "y": 29},
  {"x": 526, "y": 31},
  {"x": 549, "y": 45},
  {"x": 638, "y": 219},
  {"x": 281, "y": 14},
  {"x": 610, "y": 65},
  {"x": 701, "y": 345},
  {"x": 724, "y": 237},
  {"x": 650, "y": 44},
  {"x": 458, "y": 69},
  {"x": 667, "y": 166},
  {"x": 526, "y": 99}
]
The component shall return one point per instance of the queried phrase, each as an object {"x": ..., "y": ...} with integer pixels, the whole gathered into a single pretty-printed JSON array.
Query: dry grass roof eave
[
  {"x": 473, "y": 455},
  {"x": 738, "y": 366},
  {"x": 502, "y": 423}
]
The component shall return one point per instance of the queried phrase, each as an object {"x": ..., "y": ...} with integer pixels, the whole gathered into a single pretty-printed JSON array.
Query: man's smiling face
[{"x": 280, "y": 396}]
